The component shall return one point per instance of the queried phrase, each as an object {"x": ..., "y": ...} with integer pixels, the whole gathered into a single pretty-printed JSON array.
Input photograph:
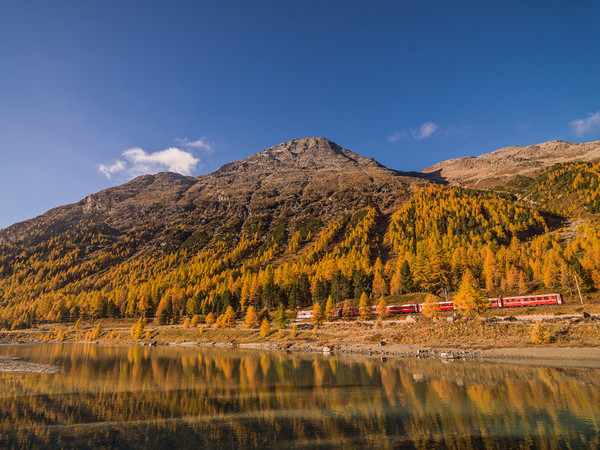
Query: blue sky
[{"x": 95, "y": 92}]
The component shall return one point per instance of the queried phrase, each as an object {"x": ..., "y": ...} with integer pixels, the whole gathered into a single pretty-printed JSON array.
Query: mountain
[
  {"x": 498, "y": 167},
  {"x": 295, "y": 224},
  {"x": 304, "y": 174}
]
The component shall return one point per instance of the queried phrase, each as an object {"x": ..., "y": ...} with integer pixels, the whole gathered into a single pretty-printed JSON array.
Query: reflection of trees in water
[{"x": 177, "y": 396}]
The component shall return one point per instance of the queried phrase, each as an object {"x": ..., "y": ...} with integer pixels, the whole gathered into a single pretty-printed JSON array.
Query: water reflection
[{"x": 133, "y": 396}]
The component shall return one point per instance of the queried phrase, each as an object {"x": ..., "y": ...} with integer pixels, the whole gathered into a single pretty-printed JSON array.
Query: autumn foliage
[{"x": 427, "y": 244}]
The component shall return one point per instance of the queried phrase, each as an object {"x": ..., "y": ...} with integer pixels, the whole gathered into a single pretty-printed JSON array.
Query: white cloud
[
  {"x": 425, "y": 131},
  {"x": 108, "y": 170},
  {"x": 457, "y": 131},
  {"x": 428, "y": 129},
  {"x": 584, "y": 126},
  {"x": 396, "y": 137},
  {"x": 201, "y": 144},
  {"x": 139, "y": 162}
]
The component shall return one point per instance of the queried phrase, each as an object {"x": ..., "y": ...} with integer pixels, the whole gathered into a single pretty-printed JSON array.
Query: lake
[{"x": 130, "y": 396}]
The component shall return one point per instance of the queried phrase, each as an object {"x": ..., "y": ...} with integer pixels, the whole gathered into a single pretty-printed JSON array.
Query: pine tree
[
  {"x": 406, "y": 280},
  {"x": 281, "y": 319}
]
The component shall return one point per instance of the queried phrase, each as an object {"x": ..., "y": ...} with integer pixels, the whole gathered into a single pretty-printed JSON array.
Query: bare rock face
[{"x": 498, "y": 167}]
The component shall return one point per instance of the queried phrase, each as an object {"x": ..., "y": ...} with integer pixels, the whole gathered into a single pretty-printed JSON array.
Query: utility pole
[{"x": 578, "y": 290}]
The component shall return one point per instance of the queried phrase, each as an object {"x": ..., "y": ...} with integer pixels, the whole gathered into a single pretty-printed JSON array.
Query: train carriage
[
  {"x": 532, "y": 300},
  {"x": 507, "y": 302},
  {"x": 401, "y": 309},
  {"x": 442, "y": 306},
  {"x": 302, "y": 315}
]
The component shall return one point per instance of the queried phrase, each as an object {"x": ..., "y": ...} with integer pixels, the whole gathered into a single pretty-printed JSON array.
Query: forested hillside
[{"x": 314, "y": 220}]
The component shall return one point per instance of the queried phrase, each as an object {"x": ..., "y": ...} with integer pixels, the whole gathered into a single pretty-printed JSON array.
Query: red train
[{"x": 506, "y": 302}]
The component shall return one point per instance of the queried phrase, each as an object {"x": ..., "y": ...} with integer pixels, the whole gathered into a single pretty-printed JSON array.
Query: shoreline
[
  {"x": 538, "y": 355},
  {"x": 574, "y": 339}
]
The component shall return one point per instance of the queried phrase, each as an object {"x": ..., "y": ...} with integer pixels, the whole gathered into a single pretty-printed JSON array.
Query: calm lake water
[{"x": 174, "y": 397}]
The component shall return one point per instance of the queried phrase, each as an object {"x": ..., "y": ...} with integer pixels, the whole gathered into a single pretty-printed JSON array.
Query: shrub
[
  {"x": 97, "y": 332},
  {"x": 195, "y": 320},
  {"x": 220, "y": 323},
  {"x": 540, "y": 334},
  {"x": 186, "y": 323},
  {"x": 210, "y": 319}
]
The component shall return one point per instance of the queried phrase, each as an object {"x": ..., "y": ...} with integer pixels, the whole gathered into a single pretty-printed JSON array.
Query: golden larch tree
[{"x": 470, "y": 300}]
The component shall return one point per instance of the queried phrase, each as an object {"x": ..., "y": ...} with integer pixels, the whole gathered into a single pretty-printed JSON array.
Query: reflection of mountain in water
[{"x": 158, "y": 397}]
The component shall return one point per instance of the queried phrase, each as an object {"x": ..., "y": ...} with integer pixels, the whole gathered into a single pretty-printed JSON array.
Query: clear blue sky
[{"x": 408, "y": 83}]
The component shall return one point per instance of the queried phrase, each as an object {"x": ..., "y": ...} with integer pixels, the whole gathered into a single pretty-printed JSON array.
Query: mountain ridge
[
  {"x": 499, "y": 166},
  {"x": 308, "y": 167}
]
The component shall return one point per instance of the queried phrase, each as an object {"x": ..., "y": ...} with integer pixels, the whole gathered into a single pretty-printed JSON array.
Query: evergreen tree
[
  {"x": 361, "y": 283},
  {"x": 269, "y": 295},
  {"x": 321, "y": 292},
  {"x": 341, "y": 287},
  {"x": 281, "y": 319},
  {"x": 406, "y": 280}
]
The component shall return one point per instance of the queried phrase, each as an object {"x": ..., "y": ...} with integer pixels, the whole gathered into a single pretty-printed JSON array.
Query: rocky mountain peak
[{"x": 313, "y": 153}]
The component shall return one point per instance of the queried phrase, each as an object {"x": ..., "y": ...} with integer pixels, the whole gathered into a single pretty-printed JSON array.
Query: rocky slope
[
  {"x": 498, "y": 167},
  {"x": 311, "y": 174}
]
